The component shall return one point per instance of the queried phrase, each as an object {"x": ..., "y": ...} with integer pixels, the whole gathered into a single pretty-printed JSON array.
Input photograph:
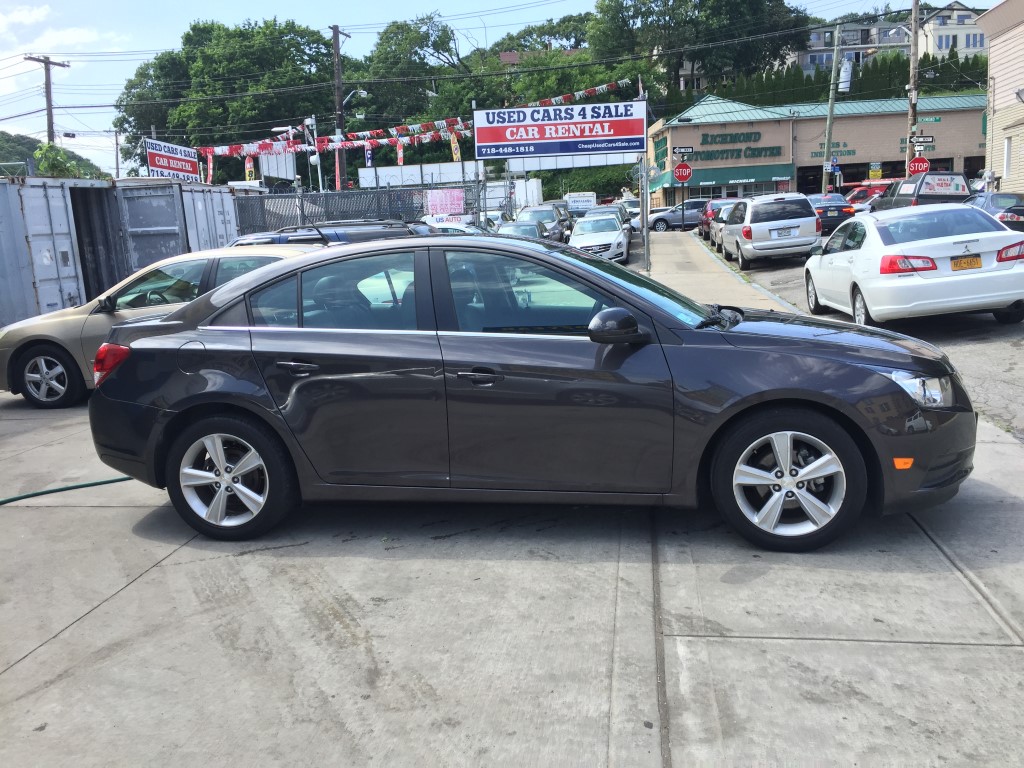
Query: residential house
[{"x": 1003, "y": 26}]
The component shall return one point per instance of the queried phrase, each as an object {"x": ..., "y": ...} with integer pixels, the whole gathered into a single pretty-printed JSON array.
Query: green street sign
[{"x": 929, "y": 120}]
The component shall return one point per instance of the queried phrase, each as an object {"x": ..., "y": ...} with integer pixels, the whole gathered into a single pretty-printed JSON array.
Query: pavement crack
[{"x": 101, "y": 603}]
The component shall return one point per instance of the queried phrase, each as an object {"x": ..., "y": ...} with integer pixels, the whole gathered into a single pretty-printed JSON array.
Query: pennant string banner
[{"x": 407, "y": 135}]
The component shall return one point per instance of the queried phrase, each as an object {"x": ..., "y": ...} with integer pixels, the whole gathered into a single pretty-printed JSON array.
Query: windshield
[
  {"x": 1005, "y": 200},
  {"x": 831, "y": 198},
  {"x": 682, "y": 308},
  {"x": 527, "y": 230},
  {"x": 930, "y": 224},
  {"x": 587, "y": 226},
  {"x": 545, "y": 216}
]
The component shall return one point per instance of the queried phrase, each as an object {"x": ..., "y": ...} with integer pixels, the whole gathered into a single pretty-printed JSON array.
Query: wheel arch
[
  {"x": 195, "y": 413},
  {"x": 872, "y": 464},
  {"x": 14, "y": 382}
]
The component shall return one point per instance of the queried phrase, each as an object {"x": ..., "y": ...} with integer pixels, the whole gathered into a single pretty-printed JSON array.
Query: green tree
[{"x": 51, "y": 160}]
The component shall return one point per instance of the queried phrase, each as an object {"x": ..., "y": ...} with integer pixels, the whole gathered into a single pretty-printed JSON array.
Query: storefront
[{"x": 739, "y": 150}]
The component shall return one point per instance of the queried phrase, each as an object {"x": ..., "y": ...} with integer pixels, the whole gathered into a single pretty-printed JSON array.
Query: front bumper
[{"x": 943, "y": 457}]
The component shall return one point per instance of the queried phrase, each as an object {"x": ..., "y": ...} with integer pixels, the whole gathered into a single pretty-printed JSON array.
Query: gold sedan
[{"x": 48, "y": 358}]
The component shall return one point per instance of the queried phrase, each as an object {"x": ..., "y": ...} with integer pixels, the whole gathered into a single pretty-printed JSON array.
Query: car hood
[
  {"x": 72, "y": 314},
  {"x": 595, "y": 238},
  {"x": 837, "y": 340}
]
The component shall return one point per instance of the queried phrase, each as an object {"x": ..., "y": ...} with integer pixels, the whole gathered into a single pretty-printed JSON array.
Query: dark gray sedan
[
  {"x": 483, "y": 369},
  {"x": 1007, "y": 207}
]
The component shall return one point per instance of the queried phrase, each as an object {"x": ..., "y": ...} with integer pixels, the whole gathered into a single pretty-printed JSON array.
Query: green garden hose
[{"x": 33, "y": 494}]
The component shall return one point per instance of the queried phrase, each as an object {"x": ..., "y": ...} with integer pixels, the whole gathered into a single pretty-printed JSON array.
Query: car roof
[{"x": 284, "y": 250}]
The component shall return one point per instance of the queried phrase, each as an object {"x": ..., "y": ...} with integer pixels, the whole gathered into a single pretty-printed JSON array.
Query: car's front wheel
[
  {"x": 789, "y": 479},
  {"x": 49, "y": 378},
  {"x": 660, "y": 225},
  {"x": 230, "y": 478}
]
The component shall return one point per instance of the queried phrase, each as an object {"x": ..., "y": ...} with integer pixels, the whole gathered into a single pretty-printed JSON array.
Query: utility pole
[
  {"x": 340, "y": 160},
  {"x": 912, "y": 87},
  {"x": 117, "y": 155},
  {"x": 45, "y": 61},
  {"x": 834, "y": 84}
]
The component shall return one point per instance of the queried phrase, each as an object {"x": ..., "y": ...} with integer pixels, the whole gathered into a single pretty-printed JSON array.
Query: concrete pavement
[{"x": 501, "y": 635}]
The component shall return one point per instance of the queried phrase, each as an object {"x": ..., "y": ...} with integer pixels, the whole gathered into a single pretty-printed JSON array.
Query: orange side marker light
[{"x": 903, "y": 463}]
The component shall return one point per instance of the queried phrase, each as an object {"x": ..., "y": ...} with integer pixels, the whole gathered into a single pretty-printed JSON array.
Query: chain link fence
[{"x": 262, "y": 213}]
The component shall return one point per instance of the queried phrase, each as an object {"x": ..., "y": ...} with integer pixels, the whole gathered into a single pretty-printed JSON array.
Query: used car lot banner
[
  {"x": 580, "y": 129},
  {"x": 172, "y": 161}
]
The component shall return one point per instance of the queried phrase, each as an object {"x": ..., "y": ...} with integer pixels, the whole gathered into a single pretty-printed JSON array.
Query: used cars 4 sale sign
[{"x": 579, "y": 129}]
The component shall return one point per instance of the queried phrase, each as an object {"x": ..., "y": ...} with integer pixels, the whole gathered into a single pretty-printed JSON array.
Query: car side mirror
[
  {"x": 616, "y": 325},
  {"x": 816, "y": 250},
  {"x": 107, "y": 305}
]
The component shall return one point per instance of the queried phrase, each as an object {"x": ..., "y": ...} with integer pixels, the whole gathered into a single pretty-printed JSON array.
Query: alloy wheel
[
  {"x": 789, "y": 483},
  {"x": 46, "y": 378},
  {"x": 224, "y": 480}
]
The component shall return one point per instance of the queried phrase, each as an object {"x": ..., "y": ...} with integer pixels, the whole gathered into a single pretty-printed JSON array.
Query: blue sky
[{"x": 104, "y": 41}]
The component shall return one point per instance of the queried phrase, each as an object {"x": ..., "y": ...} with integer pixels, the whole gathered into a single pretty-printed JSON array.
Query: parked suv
[
  {"x": 770, "y": 227},
  {"x": 548, "y": 215},
  {"x": 686, "y": 215},
  {"x": 331, "y": 232},
  {"x": 925, "y": 189}
]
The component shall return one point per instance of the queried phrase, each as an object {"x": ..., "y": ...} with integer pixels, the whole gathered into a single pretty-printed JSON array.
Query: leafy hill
[{"x": 15, "y": 148}]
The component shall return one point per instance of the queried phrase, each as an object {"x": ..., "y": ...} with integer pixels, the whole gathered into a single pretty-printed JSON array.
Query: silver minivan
[{"x": 770, "y": 226}]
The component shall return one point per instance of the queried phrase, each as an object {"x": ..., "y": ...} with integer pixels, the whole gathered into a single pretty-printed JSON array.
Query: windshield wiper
[{"x": 717, "y": 317}]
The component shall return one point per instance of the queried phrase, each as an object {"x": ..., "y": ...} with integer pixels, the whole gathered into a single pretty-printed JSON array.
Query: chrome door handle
[
  {"x": 480, "y": 376},
  {"x": 298, "y": 369}
]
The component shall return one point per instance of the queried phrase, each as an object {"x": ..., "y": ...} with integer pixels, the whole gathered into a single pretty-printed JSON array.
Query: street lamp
[
  {"x": 340, "y": 158},
  {"x": 314, "y": 158}
]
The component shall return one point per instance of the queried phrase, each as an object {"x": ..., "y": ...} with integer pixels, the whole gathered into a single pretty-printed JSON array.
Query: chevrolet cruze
[{"x": 464, "y": 368}]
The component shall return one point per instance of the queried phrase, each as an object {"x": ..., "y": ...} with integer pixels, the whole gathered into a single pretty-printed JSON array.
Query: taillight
[
  {"x": 913, "y": 202},
  {"x": 820, "y": 211},
  {"x": 817, "y": 226},
  {"x": 1011, "y": 252},
  {"x": 895, "y": 265},
  {"x": 1007, "y": 216},
  {"x": 108, "y": 357},
  {"x": 747, "y": 233},
  {"x": 850, "y": 211}
]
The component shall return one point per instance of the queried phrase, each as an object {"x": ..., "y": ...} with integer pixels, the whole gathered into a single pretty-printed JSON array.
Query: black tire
[
  {"x": 49, "y": 377},
  {"x": 706, "y": 234},
  {"x": 720, "y": 249},
  {"x": 861, "y": 313},
  {"x": 272, "y": 479},
  {"x": 812, "y": 513},
  {"x": 1008, "y": 316},
  {"x": 660, "y": 225},
  {"x": 741, "y": 260},
  {"x": 813, "y": 305}
]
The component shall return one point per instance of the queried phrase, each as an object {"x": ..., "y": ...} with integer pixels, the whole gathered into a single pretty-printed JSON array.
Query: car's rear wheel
[
  {"x": 1008, "y": 316},
  {"x": 861, "y": 313},
  {"x": 660, "y": 225},
  {"x": 230, "y": 478},
  {"x": 743, "y": 261},
  {"x": 813, "y": 305},
  {"x": 49, "y": 377},
  {"x": 789, "y": 479},
  {"x": 720, "y": 249}
]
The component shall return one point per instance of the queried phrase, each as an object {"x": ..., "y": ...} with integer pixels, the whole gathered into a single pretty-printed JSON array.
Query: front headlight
[{"x": 931, "y": 392}]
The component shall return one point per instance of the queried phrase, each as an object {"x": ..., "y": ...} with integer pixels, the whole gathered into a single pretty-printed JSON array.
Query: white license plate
[
  {"x": 777, "y": 233},
  {"x": 831, "y": 211}
]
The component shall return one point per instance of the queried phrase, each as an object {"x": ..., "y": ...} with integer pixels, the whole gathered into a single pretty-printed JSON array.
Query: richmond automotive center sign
[
  {"x": 580, "y": 129},
  {"x": 172, "y": 161}
]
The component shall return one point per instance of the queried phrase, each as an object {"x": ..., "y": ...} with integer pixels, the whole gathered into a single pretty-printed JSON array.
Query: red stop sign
[
  {"x": 682, "y": 172},
  {"x": 918, "y": 165}
]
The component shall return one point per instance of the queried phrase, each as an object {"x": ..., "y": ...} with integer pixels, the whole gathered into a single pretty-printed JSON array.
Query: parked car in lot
[
  {"x": 707, "y": 214},
  {"x": 914, "y": 262},
  {"x": 525, "y": 229},
  {"x": 832, "y": 209},
  {"x": 602, "y": 236},
  {"x": 1007, "y": 207},
  {"x": 333, "y": 232},
  {"x": 718, "y": 224},
  {"x": 686, "y": 215},
  {"x": 453, "y": 228},
  {"x": 770, "y": 227},
  {"x": 866, "y": 190},
  {"x": 610, "y": 209},
  {"x": 549, "y": 216},
  {"x": 48, "y": 358},
  {"x": 417, "y": 370},
  {"x": 930, "y": 188}
]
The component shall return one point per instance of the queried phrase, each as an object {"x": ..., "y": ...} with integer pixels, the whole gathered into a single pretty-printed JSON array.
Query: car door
[
  {"x": 349, "y": 353},
  {"x": 157, "y": 291},
  {"x": 846, "y": 262},
  {"x": 533, "y": 404},
  {"x": 826, "y": 280}
]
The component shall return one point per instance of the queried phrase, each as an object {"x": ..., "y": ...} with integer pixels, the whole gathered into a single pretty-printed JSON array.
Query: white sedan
[
  {"x": 602, "y": 236},
  {"x": 913, "y": 262}
]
